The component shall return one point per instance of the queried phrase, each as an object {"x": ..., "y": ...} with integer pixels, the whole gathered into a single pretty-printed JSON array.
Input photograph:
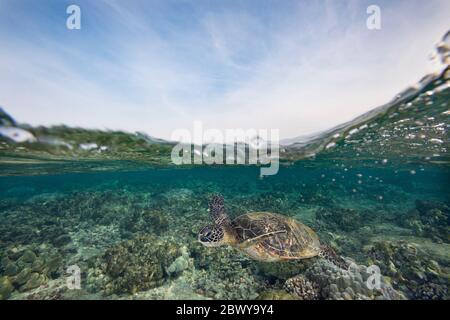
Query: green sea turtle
[{"x": 264, "y": 236}]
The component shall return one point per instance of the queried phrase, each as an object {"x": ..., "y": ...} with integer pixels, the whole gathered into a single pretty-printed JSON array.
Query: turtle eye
[
  {"x": 205, "y": 234},
  {"x": 206, "y": 238}
]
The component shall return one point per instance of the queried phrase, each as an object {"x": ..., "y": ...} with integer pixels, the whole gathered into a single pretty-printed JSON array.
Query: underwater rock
[
  {"x": 179, "y": 196},
  {"x": 27, "y": 257},
  {"x": 410, "y": 270},
  {"x": 56, "y": 219},
  {"x": 6, "y": 288},
  {"x": 349, "y": 284},
  {"x": 223, "y": 273},
  {"x": 157, "y": 220},
  {"x": 334, "y": 218},
  {"x": 302, "y": 288},
  {"x": 426, "y": 205},
  {"x": 136, "y": 265},
  {"x": 429, "y": 219},
  {"x": 38, "y": 265},
  {"x": 34, "y": 281},
  {"x": 53, "y": 264},
  {"x": 232, "y": 282},
  {"x": 10, "y": 269},
  {"x": 138, "y": 221},
  {"x": 29, "y": 224},
  {"x": 327, "y": 252},
  {"x": 62, "y": 240},
  {"x": 29, "y": 267},
  {"x": 275, "y": 295},
  {"x": 432, "y": 291},
  {"x": 22, "y": 277},
  {"x": 265, "y": 201},
  {"x": 282, "y": 270},
  {"x": 181, "y": 263}
]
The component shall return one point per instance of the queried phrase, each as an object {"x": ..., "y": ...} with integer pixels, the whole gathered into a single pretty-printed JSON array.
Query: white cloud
[{"x": 233, "y": 69}]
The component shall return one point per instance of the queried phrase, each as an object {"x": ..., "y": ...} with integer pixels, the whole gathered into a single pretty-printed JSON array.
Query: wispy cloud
[{"x": 300, "y": 66}]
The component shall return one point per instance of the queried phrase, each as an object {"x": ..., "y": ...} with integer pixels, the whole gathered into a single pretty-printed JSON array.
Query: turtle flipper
[
  {"x": 217, "y": 210},
  {"x": 249, "y": 242},
  {"x": 329, "y": 254}
]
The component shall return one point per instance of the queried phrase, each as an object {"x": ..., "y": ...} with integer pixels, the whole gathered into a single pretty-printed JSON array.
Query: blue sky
[{"x": 155, "y": 66}]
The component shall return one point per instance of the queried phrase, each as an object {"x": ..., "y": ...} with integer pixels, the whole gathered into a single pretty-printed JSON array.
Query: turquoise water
[
  {"x": 83, "y": 218},
  {"x": 123, "y": 223}
]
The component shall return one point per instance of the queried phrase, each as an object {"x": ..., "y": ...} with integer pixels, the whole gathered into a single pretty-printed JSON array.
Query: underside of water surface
[{"x": 111, "y": 206}]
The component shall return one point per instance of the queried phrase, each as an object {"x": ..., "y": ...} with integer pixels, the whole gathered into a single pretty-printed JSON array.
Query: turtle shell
[{"x": 267, "y": 236}]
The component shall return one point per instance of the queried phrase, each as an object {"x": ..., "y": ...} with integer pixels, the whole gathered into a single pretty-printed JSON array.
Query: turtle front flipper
[{"x": 217, "y": 210}]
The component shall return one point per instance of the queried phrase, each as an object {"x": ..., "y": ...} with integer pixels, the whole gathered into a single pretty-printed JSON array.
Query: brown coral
[{"x": 302, "y": 288}]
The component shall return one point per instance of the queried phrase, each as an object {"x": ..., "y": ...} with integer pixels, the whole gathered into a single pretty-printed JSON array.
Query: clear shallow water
[
  {"x": 375, "y": 190},
  {"x": 136, "y": 221}
]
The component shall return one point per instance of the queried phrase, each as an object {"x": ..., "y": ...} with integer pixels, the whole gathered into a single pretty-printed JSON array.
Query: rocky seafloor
[{"x": 131, "y": 244}]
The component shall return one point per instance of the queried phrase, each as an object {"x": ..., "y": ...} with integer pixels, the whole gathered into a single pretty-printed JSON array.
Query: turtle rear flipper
[{"x": 328, "y": 253}]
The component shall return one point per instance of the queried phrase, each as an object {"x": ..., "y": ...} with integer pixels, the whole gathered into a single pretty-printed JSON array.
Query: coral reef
[
  {"x": 275, "y": 271},
  {"x": 348, "y": 284},
  {"x": 6, "y": 288},
  {"x": 409, "y": 269},
  {"x": 275, "y": 295},
  {"x": 135, "y": 265},
  {"x": 28, "y": 267},
  {"x": 181, "y": 263},
  {"x": 143, "y": 221},
  {"x": 429, "y": 219},
  {"x": 140, "y": 242},
  {"x": 328, "y": 253},
  {"x": 333, "y": 218},
  {"x": 302, "y": 288},
  {"x": 223, "y": 273}
]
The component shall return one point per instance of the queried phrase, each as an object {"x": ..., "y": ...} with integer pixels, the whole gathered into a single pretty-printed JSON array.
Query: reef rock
[
  {"x": 429, "y": 219},
  {"x": 302, "y": 288},
  {"x": 342, "y": 219},
  {"x": 135, "y": 265},
  {"x": 6, "y": 288},
  {"x": 223, "y": 273},
  {"x": 352, "y": 283},
  {"x": 276, "y": 295},
  {"x": 28, "y": 267},
  {"x": 410, "y": 270},
  {"x": 282, "y": 270}
]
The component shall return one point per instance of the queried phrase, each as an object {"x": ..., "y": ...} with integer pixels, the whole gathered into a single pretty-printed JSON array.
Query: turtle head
[{"x": 212, "y": 236}]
